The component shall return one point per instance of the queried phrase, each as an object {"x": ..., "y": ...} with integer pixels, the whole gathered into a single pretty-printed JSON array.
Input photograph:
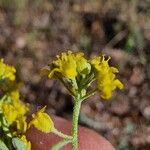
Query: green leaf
[
  {"x": 3, "y": 146},
  {"x": 18, "y": 144},
  {"x": 130, "y": 43}
]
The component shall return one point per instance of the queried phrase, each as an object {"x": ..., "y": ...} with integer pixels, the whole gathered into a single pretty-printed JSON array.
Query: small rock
[
  {"x": 146, "y": 112},
  {"x": 20, "y": 42},
  {"x": 137, "y": 76},
  {"x": 140, "y": 140},
  {"x": 132, "y": 91}
]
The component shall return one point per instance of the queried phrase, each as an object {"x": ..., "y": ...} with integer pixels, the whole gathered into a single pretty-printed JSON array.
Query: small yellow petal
[
  {"x": 42, "y": 121},
  {"x": 118, "y": 84}
]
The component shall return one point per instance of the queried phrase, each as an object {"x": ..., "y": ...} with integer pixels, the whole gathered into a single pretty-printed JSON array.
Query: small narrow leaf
[
  {"x": 18, "y": 144},
  {"x": 3, "y": 146}
]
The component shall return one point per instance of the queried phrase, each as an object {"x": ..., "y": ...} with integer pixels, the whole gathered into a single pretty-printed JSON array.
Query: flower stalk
[
  {"x": 62, "y": 135},
  {"x": 76, "y": 111}
]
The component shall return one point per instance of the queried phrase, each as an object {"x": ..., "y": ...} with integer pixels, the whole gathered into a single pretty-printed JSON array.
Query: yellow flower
[
  {"x": 27, "y": 143},
  {"x": 9, "y": 112},
  {"x": 21, "y": 108},
  {"x": 13, "y": 111},
  {"x": 65, "y": 64},
  {"x": 105, "y": 75},
  {"x": 42, "y": 121},
  {"x": 7, "y": 71},
  {"x": 69, "y": 64}
]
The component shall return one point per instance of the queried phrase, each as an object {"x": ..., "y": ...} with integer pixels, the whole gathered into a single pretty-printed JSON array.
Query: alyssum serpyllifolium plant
[
  {"x": 77, "y": 74},
  {"x": 13, "y": 124}
]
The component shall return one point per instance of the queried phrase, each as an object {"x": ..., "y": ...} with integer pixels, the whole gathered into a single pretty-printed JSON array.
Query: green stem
[
  {"x": 60, "y": 144},
  {"x": 62, "y": 135},
  {"x": 3, "y": 146},
  {"x": 76, "y": 112}
]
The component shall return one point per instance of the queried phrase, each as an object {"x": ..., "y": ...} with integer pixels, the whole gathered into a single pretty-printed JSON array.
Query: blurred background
[{"x": 32, "y": 32}]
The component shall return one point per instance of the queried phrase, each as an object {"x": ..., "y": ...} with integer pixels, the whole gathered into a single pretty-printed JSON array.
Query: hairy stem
[
  {"x": 76, "y": 111},
  {"x": 62, "y": 135}
]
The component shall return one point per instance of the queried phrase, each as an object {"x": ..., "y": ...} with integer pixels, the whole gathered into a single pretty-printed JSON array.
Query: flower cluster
[
  {"x": 7, "y": 71},
  {"x": 75, "y": 70},
  {"x": 13, "y": 124},
  {"x": 69, "y": 65},
  {"x": 12, "y": 110}
]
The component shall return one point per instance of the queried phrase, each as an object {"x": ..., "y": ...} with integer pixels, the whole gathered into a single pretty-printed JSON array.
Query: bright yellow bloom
[
  {"x": 13, "y": 111},
  {"x": 7, "y": 71},
  {"x": 42, "y": 121},
  {"x": 65, "y": 64},
  {"x": 69, "y": 64},
  {"x": 27, "y": 143},
  {"x": 9, "y": 112},
  {"x": 105, "y": 75}
]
